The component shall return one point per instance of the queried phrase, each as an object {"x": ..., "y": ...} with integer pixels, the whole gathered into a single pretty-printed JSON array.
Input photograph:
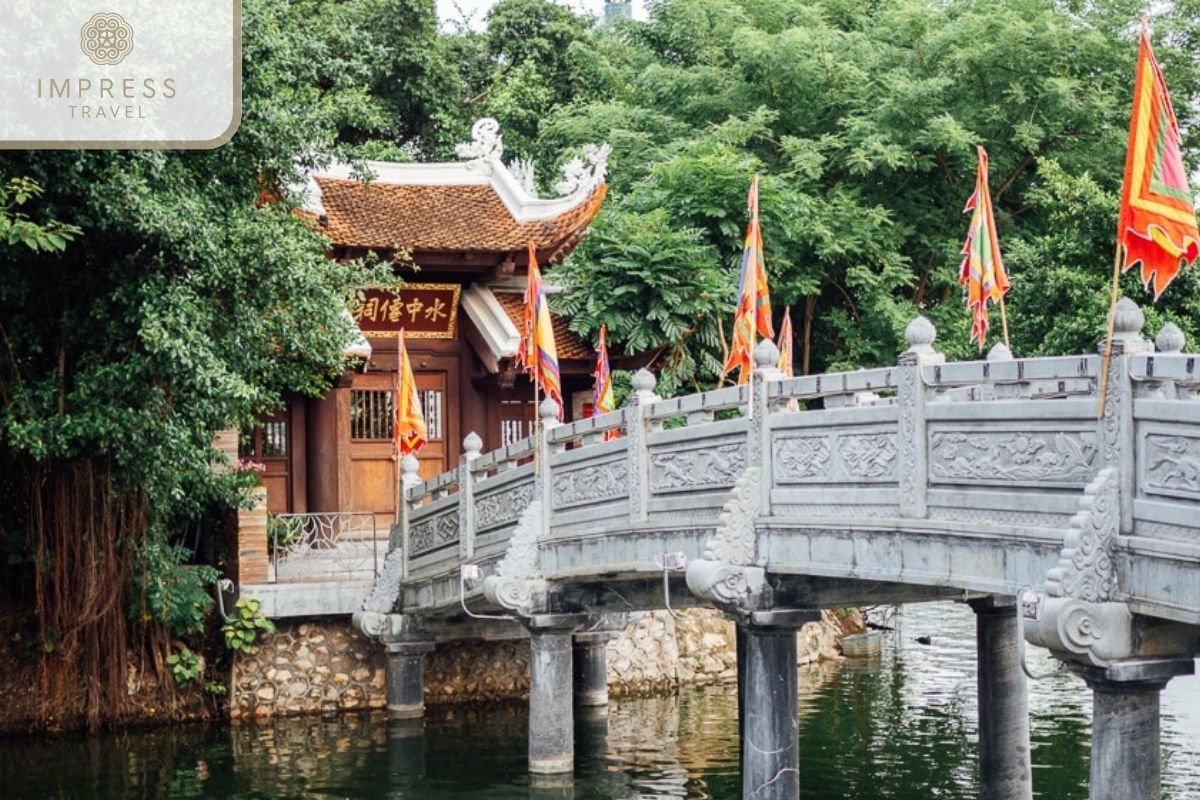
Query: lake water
[{"x": 901, "y": 728}]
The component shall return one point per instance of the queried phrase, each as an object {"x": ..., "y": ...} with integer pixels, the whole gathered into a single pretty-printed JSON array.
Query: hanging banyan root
[{"x": 86, "y": 532}]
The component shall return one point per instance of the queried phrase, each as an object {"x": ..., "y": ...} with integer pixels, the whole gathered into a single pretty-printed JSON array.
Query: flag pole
[
  {"x": 724, "y": 352},
  {"x": 752, "y": 280},
  {"x": 1004, "y": 323},
  {"x": 537, "y": 424},
  {"x": 750, "y": 383},
  {"x": 1106, "y": 363},
  {"x": 537, "y": 411},
  {"x": 395, "y": 433}
]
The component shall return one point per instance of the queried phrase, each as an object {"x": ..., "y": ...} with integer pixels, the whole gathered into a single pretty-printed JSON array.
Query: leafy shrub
[
  {"x": 185, "y": 666},
  {"x": 242, "y": 629},
  {"x": 283, "y": 532},
  {"x": 172, "y": 592}
]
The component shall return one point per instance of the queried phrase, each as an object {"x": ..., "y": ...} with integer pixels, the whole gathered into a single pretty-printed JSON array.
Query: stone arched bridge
[{"x": 991, "y": 481}]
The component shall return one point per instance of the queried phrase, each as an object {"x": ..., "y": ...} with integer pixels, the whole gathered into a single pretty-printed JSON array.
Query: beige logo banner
[{"x": 129, "y": 74}]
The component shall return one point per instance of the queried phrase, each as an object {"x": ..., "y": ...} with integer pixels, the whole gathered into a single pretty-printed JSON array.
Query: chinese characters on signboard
[{"x": 423, "y": 310}]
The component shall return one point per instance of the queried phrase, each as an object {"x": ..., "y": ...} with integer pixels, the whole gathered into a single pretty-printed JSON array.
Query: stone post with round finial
[
  {"x": 472, "y": 447},
  {"x": 1117, "y": 445},
  {"x": 637, "y": 457},
  {"x": 910, "y": 400},
  {"x": 1170, "y": 341},
  {"x": 766, "y": 370},
  {"x": 548, "y": 413},
  {"x": 410, "y": 469}
]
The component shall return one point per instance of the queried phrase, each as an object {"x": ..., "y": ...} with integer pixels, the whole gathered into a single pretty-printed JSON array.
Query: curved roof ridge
[{"x": 582, "y": 176}]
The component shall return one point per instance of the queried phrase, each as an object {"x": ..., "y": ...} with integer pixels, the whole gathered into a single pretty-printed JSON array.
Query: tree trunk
[{"x": 810, "y": 305}]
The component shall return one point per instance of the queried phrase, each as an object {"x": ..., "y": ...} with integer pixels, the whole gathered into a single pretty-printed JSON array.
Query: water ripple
[{"x": 900, "y": 728}]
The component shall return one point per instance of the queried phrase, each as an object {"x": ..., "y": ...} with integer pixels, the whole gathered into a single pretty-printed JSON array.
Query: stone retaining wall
[{"x": 318, "y": 665}]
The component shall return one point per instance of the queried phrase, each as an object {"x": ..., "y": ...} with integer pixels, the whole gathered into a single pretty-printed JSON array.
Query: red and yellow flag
[
  {"x": 602, "y": 395},
  {"x": 753, "y": 313},
  {"x": 785, "y": 344},
  {"x": 982, "y": 271},
  {"x": 538, "y": 354},
  {"x": 408, "y": 429},
  {"x": 1157, "y": 223}
]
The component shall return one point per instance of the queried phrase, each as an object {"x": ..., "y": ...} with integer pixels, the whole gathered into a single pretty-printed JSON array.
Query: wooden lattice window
[
  {"x": 431, "y": 405},
  {"x": 516, "y": 421},
  {"x": 274, "y": 439},
  {"x": 371, "y": 414},
  {"x": 268, "y": 440}
]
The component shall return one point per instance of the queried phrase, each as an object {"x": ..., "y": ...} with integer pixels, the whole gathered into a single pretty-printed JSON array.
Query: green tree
[
  {"x": 862, "y": 120},
  {"x": 186, "y": 304},
  {"x": 524, "y": 65}
]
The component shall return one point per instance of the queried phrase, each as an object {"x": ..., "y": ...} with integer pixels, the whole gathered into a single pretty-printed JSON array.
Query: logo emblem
[{"x": 106, "y": 39}]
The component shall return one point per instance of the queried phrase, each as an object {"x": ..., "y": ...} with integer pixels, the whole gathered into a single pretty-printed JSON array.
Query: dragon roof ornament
[
  {"x": 486, "y": 146},
  {"x": 581, "y": 175}
]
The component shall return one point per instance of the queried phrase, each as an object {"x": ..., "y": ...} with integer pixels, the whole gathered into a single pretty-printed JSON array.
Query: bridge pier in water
[
  {"x": 1126, "y": 762},
  {"x": 551, "y": 711},
  {"x": 591, "y": 668},
  {"x": 1005, "y": 771},
  {"x": 405, "y": 679},
  {"x": 768, "y": 713}
]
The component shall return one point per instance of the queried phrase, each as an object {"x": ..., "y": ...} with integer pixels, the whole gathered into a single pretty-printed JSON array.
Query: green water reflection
[{"x": 901, "y": 728}]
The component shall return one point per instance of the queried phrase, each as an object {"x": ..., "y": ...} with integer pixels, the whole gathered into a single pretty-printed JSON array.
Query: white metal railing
[{"x": 334, "y": 545}]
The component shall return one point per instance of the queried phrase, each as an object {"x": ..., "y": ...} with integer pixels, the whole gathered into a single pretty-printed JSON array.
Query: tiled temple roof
[{"x": 443, "y": 217}]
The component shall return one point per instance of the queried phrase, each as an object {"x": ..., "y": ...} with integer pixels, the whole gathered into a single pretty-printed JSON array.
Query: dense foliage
[{"x": 862, "y": 119}]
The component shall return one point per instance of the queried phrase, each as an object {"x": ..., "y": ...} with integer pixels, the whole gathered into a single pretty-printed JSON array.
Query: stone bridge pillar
[
  {"x": 768, "y": 713},
  {"x": 1126, "y": 762},
  {"x": 551, "y": 716},
  {"x": 406, "y": 679},
  {"x": 1084, "y": 620},
  {"x": 406, "y": 642},
  {"x": 591, "y": 667},
  {"x": 1004, "y": 763}
]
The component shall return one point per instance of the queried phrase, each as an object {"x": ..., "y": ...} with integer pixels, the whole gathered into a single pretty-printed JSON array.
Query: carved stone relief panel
[
  {"x": 1037, "y": 458},
  {"x": 502, "y": 507},
  {"x": 433, "y": 533},
  {"x": 868, "y": 456},
  {"x": 591, "y": 483},
  {"x": 849, "y": 458},
  {"x": 713, "y": 467},
  {"x": 1171, "y": 465},
  {"x": 801, "y": 457}
]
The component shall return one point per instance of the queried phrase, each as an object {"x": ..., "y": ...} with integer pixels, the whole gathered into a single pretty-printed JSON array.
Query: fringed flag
[
  {"x": 408, "y": 429},
  {"x": 1157, "y": 223},
  {"x": 602, "y": 395},
  {"x": 785, "y": 344},
  {"x": 753, "y": 313},
  {"x": 982, "y": 271},
  {"x": 785, "y": 341},
  {"x": 538, "y": 354}
]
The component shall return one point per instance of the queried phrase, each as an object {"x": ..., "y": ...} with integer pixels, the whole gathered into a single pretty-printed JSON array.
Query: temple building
[{"x": 458, "y": 234}]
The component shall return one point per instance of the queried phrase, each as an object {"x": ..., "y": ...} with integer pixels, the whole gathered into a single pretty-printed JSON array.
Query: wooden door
[
  {"x": 372, "y": 416},
  {"x": 269, "y": 444}
]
